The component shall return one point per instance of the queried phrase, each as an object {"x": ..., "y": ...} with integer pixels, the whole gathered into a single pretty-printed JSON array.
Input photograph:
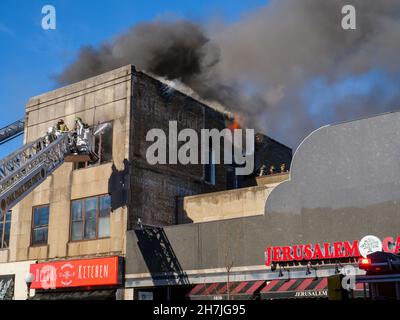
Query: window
[
  {"x": 40, "y": 225},
  {"x": 210, "y": 168},
  {"x": 90, "y": 218},
  {"x": 102, "y": 147},
  {"x": 5, "y": 225}
]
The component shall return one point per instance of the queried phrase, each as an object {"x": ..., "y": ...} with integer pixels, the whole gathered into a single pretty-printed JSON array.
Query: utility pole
[{"x": 228, "y": 270}]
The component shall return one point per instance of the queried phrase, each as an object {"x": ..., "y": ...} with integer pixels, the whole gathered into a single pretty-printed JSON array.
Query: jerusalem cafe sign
[{"x": 331, "y": 250}]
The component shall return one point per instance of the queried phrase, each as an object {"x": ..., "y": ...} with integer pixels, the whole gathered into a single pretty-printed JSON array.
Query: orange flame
[{"x": 235, "y": 123}]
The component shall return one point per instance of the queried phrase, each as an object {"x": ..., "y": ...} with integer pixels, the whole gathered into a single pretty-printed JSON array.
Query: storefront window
[
  {"x": 5, "y": 225},
  {"x": 40, "y": 225},
  {"x": 90, "y": 218}
]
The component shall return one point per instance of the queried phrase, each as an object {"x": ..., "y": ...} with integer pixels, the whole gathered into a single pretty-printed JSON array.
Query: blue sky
[{"x": 31, "y": 56}]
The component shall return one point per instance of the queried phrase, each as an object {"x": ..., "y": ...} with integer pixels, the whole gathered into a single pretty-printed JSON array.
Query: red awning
[
  {"x": 237, "y": 290},
  {"x": 274, "y": 289}
]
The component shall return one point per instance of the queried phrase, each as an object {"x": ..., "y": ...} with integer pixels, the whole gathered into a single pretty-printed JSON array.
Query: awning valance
[
  {"x": 296, "y": 288},
  {"x": 76, "y": 295},
  {"x": 302, "y": 288}
]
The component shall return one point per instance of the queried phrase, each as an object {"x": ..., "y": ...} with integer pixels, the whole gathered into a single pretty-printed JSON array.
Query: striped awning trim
[
  {"x": 247, "y": 288},
  {"x": 296, "y": 288}
]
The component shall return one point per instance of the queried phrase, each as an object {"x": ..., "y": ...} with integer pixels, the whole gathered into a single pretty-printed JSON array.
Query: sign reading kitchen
[{"x": 75, "y": 273}]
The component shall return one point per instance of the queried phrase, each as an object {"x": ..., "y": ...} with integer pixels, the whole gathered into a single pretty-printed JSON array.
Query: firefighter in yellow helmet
[{"x": 61, "y": 126}]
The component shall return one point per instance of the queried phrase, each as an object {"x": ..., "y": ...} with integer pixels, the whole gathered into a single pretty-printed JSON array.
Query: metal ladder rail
[
  {"x": 12, "y": 131},
  {"x": 19, "y": 157},
  {"x": 31, "y": 171}
]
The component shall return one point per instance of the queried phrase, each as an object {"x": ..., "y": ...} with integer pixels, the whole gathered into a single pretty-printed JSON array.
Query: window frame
[
  {"x": 83, "y": 201},
  {"x": 3, "y": 233},
  {"x": 41, "y": 226}
]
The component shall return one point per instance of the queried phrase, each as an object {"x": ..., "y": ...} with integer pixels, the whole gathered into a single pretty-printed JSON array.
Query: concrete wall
[
  {"x": 225, "y": 204},
  {"x": 344, "y": 184},
  {"x": 272, "y": 179},
  {"x": 96, "y": 100}
]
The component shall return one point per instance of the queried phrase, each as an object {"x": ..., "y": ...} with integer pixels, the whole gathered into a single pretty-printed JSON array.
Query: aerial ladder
[
  {"x": 12, "y": 131},
  {"x": 26, "y": 168}
]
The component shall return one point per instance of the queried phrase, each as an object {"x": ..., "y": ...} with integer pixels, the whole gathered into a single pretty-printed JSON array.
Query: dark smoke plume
[
  {"x": 263, "y": 64},
  {"x": 171, "y": 50}
]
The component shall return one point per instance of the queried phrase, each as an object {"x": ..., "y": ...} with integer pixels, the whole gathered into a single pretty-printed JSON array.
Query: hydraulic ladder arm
[
  {"x": 11, "y": 131},
  {"x": 26, "y": 168},
  {"x": 23, "y": 170}
]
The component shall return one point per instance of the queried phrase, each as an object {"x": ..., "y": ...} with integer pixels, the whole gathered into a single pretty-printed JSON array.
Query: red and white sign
[
  {"x": 327, "y": 250},
  {"x": 75, "y": 273}
]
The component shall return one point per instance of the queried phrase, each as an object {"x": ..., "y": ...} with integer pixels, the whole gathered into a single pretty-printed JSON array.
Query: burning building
[{"x": 78, "y": 218}]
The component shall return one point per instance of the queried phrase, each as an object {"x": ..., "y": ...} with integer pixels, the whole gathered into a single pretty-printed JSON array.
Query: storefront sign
[
  {"x": 75, "y": 273},
  {"x": 311, "y": 294},
  {"x": 368, "y": 245},
  {"x": 327, "y": 250}
]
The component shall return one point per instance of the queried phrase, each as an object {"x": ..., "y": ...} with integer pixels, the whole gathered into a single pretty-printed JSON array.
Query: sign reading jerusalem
[
  {"x": 75, "y": 273},
  {"x": 327, "y": 250}
]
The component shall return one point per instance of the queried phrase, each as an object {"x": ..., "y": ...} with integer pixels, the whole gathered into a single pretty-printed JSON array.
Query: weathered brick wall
[{"x": 156, "y": 188}]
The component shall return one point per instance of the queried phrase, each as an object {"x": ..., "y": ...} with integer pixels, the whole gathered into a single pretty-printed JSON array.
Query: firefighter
[
  {"x": 61, "y": 126},
  {"x": 263, "y": 170},
  {"x": 81, "y": 135},
  {"x": 50, "y": 136},
  {"x": 79, "y": 125}
]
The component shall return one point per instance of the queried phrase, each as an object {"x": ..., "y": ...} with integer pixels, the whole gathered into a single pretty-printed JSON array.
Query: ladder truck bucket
[
  {"x": 84, "y": 151},
  {"x": 79, "y": 158},
  {"x": 82, "y": 147}
]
